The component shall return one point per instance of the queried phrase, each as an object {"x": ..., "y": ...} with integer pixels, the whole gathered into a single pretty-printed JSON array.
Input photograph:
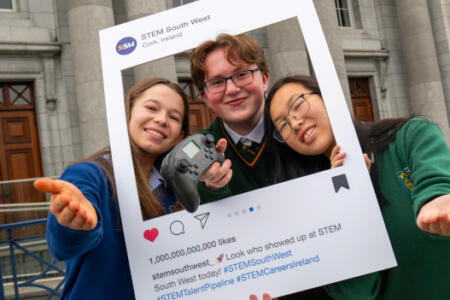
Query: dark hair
[
  {"x": 237, "y": 48},
  {"x": 150, "y": 207},
  {"x": 308, "y": 82},
  {"x": 373, "y": 137},
  {"x": 287, "y": 163}
]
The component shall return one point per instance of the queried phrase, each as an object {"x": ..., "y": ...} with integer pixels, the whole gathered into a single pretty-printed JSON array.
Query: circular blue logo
[{"x": 126, "y": 45}]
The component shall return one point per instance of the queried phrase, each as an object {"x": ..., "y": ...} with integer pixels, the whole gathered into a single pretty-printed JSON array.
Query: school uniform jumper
[
  {"x": 249, "y": 165},
  {"x": 413, "y": 169},
  {"x": 96, "y": 260}
]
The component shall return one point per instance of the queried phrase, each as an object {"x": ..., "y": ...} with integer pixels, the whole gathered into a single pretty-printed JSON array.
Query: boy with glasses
[{"x": 232, "y": 76}]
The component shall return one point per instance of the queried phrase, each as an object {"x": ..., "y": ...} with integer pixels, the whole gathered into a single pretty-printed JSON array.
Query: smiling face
[
  {"x": 239, "y": 107},
  {"x": 156, "y": 119},
  {"x": 312, "y": 134}
]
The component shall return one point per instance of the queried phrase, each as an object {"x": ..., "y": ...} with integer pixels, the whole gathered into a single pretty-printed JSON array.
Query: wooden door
[
  {"x": 361, "y": 103},
  {"x": 19, "y": 150},
  {"x": 200, "y": 116},
  {"x": 19, "y": 145}
]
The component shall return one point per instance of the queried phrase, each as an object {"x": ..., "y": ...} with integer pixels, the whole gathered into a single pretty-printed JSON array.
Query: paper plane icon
[{"x": 203, "y": 218}]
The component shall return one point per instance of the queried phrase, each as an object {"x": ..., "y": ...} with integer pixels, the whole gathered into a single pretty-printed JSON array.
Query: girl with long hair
[{"x": 84, "y": 227}]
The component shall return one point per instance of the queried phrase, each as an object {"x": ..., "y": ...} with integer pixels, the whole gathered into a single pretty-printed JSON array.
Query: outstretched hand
[
  {"x": 265, "y": 297},
  {"x": 218, "y": 175},
  {"x": 337, "y": 158},
  {"x": 434, "y": 217},
  {"x": 68, "y": 204}
]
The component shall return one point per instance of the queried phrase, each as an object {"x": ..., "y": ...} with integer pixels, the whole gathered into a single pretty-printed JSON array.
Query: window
[
  {"x": 344, "y": 13},
  {"x": 14, "y": 96},
  {"x": 181, "y": 2},
  {"x": 7, "y": 4},
  {"x": 190, "y": 89}
]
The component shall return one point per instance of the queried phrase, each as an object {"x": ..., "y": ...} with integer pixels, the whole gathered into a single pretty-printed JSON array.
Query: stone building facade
[{"x": 392, "y": 57}]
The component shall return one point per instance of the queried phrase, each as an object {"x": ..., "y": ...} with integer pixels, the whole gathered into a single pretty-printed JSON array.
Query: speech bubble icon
[{"x": 177, "y": 227}]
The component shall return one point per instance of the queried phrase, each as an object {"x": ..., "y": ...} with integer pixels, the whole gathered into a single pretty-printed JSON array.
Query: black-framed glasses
[
  {"x": 297, "y": 110},
  {"x": 240, "y": 79}
]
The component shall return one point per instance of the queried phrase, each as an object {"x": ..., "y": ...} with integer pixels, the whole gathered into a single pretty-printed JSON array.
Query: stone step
[
  {"x": 28, "y": 267},
  {"x": 32, "y": 293}
]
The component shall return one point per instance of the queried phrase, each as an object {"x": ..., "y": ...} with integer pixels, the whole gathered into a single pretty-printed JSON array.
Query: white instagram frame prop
[{"x": 308, "y": 245}]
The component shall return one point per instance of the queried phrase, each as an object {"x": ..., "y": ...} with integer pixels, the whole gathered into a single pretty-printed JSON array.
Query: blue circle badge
[{"x": 126, "y": 45}]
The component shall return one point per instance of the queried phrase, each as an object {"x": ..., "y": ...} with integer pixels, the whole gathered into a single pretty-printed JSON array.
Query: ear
[{"x": 265, "y": 78}]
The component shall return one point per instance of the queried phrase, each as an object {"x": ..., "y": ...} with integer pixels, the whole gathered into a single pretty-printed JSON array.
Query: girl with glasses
[{"x": 411, "y": 176}]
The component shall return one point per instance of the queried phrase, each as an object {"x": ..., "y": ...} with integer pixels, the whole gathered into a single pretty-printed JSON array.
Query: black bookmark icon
[{"x": 340, "y": 181}]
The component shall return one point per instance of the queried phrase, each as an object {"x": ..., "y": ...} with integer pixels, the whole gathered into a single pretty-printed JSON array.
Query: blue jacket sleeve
[{"x": 65, "y": 243}]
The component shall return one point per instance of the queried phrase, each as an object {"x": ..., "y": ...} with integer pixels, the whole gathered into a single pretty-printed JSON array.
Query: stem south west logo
[{"x": 126, "y": 45}]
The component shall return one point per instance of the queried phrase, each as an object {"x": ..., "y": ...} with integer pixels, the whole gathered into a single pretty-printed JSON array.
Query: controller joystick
[
  {"x": 185, "y": 163},
  {"x": 182, "y": 165},
  {"x": 209, "y": 141}
]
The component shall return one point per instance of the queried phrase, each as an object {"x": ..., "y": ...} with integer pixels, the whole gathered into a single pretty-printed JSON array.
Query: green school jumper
[
  {"x": 251, "y": 170},
  {"x": 250, "y": 167},
  {"x": 414, "y": 169}
]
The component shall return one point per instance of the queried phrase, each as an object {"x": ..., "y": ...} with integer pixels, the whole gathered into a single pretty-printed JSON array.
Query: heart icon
[{"x": 151, "y": 234}]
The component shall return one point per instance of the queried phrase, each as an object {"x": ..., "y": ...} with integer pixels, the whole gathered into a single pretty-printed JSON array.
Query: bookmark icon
[{"x": 340, "y": 181}]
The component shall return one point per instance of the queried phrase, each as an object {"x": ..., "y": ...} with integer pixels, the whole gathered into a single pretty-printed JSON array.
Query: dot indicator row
[{"x": 244, "y": 211}]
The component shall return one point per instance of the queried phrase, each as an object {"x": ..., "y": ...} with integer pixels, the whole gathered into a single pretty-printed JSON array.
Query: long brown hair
[{"x": 150, "y": 207}]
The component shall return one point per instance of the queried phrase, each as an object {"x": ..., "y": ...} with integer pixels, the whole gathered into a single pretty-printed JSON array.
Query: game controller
[{"x": 185, "y": 163}]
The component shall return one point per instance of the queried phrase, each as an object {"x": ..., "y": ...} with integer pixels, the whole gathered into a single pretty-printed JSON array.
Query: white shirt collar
[
  {"x": 156, "y": 179},
  {"x": 256, "y": 135}
]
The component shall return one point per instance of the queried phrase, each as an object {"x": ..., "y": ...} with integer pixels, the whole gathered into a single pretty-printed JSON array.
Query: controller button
[
  {"x": 196, "y": 172},
  {"x": 191, "y": 171},
  {"x": 196, "y": 165}
]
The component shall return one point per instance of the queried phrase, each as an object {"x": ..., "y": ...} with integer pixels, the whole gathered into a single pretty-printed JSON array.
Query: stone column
[
  {"x": 164, "y": 67},
  {"x": 86, "y": 18},
  {"x": 326, "y": 9},
  {"x": 424, "y": 78},
  {"x": 440, "y": 21},
  {"x": 287, "y": 50}
]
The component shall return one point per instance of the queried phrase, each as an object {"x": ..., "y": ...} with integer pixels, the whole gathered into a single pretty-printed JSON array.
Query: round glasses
[
  {"x": 297, "y": 110},
  {"x": 240, "y": 79}
]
